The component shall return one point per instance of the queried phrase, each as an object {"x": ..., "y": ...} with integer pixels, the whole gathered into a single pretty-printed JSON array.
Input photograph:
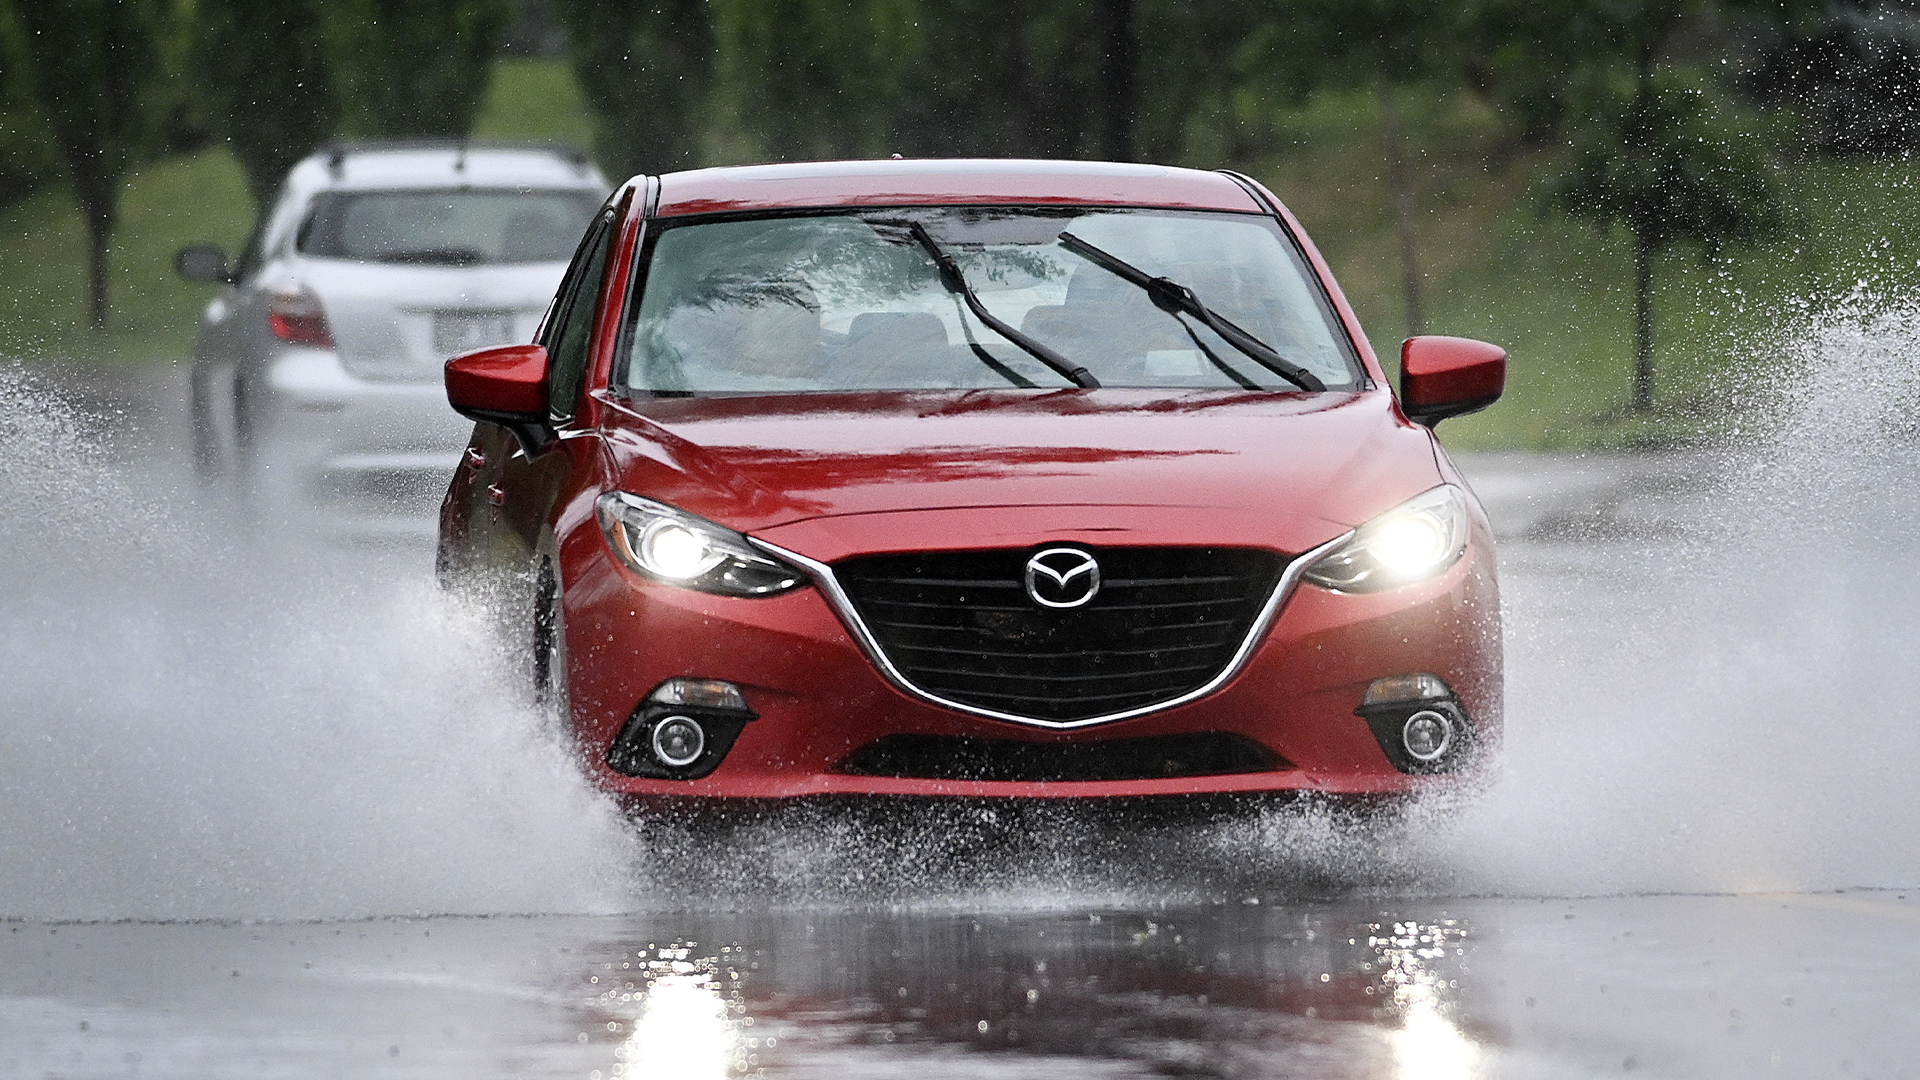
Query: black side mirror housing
[{"x": 204, "y": 263}]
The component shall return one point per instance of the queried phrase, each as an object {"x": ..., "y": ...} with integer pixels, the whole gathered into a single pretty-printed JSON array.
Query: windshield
[
  {"x": 455, "y": 227},
  {"x": 852, "y": 302}
]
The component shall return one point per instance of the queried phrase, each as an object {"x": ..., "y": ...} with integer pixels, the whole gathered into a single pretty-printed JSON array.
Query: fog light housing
[
  {"x": 1418, "y": 723},
  {"x": 681, "y": 731}
]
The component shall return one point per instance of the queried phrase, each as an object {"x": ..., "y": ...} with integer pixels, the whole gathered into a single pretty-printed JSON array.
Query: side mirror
[
  {"x": 1441, "y": 377},
  {"x": 506, "y": 385},
  {"x": 203, "y": 262}
]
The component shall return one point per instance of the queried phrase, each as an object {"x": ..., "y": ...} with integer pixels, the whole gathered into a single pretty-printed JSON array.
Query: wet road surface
[{"x": 1684, "y": 986}]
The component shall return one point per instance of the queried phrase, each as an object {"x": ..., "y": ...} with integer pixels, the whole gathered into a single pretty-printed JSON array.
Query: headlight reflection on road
[
  {"x": 683, "y": 1027},
  {"x": 1427, "y": 1045}
]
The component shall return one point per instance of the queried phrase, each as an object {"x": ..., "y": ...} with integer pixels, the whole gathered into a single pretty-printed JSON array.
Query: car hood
[
  {"x": 826, "y": 475},
  {"x": 403, "y": 322}
]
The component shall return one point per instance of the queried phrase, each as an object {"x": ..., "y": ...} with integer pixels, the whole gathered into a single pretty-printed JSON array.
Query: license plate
[{"x": 459, "y": 331}]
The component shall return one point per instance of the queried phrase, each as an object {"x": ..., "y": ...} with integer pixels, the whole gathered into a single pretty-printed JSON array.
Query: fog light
[
  {"x": 1427, "y": 736},
  {"x": 1414, "y": 686},
  {"x": 705, "y": 693},
  {"x": 678, "y": 741}
]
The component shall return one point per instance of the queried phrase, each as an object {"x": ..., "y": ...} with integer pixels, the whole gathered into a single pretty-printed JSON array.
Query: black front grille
[
  {"x": 1159, "y": 757},
  {"x": 959, "y": 625}
]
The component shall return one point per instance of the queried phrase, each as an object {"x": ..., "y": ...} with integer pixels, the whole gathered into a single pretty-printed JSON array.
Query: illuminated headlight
[
  {"x": 680, "y": 549},
  {"x": 1411, "y": 542}
]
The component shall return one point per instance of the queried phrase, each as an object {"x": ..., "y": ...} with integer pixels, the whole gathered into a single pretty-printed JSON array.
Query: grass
[
  {"x": 185, "y": 199},
  {"x": 1553, "y": 292},
  {"x": 1558, "y": 295},
  {"x": 164, "y": 205},
  {"x": 532, "y": 98}
]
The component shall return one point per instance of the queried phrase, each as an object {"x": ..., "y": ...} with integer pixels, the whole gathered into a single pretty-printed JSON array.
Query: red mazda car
[{"x": 979, "y": 478}]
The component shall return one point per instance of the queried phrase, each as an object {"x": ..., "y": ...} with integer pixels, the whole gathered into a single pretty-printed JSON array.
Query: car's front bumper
[{"x": 822, "y": 702}]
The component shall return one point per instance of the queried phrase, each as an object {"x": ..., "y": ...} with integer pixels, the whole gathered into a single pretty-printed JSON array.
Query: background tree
[
  {"x": 27, "y": 155},
  {"x": 413, "y": 67},
  {"x": 815, "y": 78},
  {"x": 1853, "y": 70},
  {"x": 1649, "y": 154},
  {"x": 1391, "y": 45},
  {"x": 1118, "y": 68},
  {"x": 646, "y": 70},
  {"x": 1028, "y": 88},
  {"x": 1209, "y": 86},
  {"x": 91, "y": 64},
  {"x": 266, "y": 83},
  {"x": 1656, "y": 165}
]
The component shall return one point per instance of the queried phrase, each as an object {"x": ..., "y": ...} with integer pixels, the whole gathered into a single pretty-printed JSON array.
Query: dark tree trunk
[
  {"x": 1116, "y": 79},
  {"x": 91, "y": 64},
  {"x": 97, "y": 233},
  {"x": 1401, "y": 187},
  {"x": 1642, "y": 325},
  {"x": 1643, "y": 241},
  {"x": 95, "y": 194}
]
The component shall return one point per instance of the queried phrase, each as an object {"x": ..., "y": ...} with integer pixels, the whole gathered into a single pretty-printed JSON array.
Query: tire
[
  {"x": 547, "y": 660},
  {"x": 212, "y": 459}
]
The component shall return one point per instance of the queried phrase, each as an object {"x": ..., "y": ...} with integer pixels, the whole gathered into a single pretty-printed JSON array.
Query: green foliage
[
  {"x": 646, "y": 70},
  {"x": 164, "y": 204},
  {"x": 1547, "y": 62},
  {"x": 413, "y": 67},
  {"x": 91, "y": 64},
  {"x": 27, "y": 155},
  {"x": 1028, "y": 88},
  {"x": 789, "y": 64},
  {"x": 1657, "y": 165},
  {"x": 1853, "y": 68},
  {"x": 265, "y": 80},
  {"x": 1556, "y": 293},
  {"x": 534, "y": 99},
  {"x": 1660, "y": 166}
]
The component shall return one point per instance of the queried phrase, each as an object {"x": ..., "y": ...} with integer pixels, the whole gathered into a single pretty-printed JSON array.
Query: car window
[
  {"x": 455, "y": 227},
  {"x": 568, "y": 336},
  {"x": 851, "y": 301}
]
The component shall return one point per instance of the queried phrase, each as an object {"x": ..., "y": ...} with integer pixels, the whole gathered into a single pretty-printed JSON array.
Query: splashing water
[
  {"x": 196, "y": 726},
  {"x": 1733, "y": 708},
  {"x": 199, "y": 725}
]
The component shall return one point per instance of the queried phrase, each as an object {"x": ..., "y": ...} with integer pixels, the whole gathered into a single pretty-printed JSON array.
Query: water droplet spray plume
[
  {"x": 203, "y": 726},
  {"x": 1733, "y": 708}
]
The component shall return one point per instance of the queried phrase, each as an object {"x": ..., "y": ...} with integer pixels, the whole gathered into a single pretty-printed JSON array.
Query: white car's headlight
[
  {"x": 680, "y": 549},
  {"x": 1409, "y": 543}
]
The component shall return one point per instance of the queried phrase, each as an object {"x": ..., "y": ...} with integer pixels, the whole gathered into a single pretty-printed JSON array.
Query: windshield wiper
[
  {"x": 1172, "y": 297},
  {"x": 950, "y": 277}
]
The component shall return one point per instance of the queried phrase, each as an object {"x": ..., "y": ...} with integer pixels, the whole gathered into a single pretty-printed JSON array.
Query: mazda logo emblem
[{"x": 1062, "y": 577}]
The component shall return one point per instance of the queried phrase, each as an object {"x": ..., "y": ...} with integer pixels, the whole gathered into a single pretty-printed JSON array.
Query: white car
[{"x": 317, "y": 370}]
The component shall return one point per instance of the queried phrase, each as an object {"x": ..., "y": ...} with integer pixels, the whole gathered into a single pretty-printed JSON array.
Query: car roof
[
  {"x": 919, "y": 182},
  {"x": 442, "y": 163}
]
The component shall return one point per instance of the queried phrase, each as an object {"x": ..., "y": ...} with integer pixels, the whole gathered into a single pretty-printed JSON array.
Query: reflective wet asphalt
[{"x": 1677, "y": 986}]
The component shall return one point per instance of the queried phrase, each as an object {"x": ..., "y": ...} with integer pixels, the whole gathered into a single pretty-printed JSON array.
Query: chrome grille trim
[{"x": 829, "y": 586}]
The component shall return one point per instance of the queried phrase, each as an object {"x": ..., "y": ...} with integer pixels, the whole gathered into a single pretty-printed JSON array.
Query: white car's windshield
[
  {"x": 455, "y": 227},
  {"x": 851, "y": 301}
]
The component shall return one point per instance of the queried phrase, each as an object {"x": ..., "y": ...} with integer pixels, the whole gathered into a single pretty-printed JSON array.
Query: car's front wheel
[{"x": 549, "y": 648}]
